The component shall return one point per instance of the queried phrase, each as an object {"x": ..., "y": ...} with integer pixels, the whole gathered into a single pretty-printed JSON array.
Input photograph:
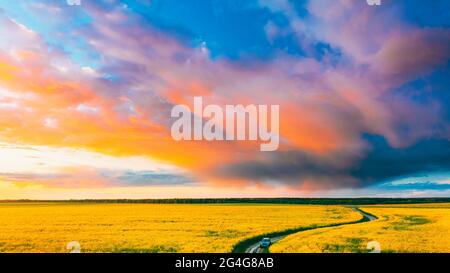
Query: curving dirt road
[{"x": 254, "y": 248}]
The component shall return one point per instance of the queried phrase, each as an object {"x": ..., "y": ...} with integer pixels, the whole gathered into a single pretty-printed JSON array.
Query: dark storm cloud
[
  {"x": 283, "y": 165},
  {"x": 293, "y": 168},
  {"x": 381, "y": 163},
  {"x": 384, "y": 162}
]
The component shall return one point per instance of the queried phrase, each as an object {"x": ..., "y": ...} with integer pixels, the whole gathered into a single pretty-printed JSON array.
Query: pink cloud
[{"x": 325, "y": 108}]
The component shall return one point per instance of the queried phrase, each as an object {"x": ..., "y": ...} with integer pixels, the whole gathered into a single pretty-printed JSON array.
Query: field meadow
[
  {"x": 399, "y": 228},
  {"x": 140, "y": 227},
  {"x": 104, "y": 227}
]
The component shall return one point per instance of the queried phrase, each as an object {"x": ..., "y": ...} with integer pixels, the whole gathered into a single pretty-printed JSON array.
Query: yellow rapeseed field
[
  {"x": 49, "y": 227},
  {"x": 400, "y": 228}
]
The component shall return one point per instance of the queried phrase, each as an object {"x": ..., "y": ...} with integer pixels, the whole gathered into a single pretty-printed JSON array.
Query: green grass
[
  {"x": 409, "y": 221},
  {"x": 242, "y": 246},
  {"x": 352, "y": 245}
]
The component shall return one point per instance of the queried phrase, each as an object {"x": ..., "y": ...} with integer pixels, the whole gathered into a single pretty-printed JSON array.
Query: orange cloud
[{"x": 324, "y": 109}]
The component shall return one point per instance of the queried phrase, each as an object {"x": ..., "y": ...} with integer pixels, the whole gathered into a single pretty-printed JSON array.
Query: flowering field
[
  {"x": 49, "y": 227},
  {"x": 400, "y": 228}
]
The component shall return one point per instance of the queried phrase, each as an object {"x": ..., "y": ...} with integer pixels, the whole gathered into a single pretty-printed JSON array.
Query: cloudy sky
[{"x": 86, "y": 93}]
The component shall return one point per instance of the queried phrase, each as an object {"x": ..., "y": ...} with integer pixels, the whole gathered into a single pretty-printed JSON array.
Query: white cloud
[
  {"x": 16, "y": 158},
  {"x": 51, "y": 123}
]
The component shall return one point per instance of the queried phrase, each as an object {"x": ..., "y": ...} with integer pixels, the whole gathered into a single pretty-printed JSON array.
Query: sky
[{"x": 86, "y": 93}]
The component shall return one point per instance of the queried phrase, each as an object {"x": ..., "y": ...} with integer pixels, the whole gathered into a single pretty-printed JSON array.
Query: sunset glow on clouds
[{"x": 86, "y": 93}]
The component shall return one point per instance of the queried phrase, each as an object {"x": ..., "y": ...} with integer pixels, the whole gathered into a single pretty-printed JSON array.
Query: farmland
[
  {"x": 400, "y": 228},
  {"x": 209, "y": 227},
  {"x": 113, "y": 227}
]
